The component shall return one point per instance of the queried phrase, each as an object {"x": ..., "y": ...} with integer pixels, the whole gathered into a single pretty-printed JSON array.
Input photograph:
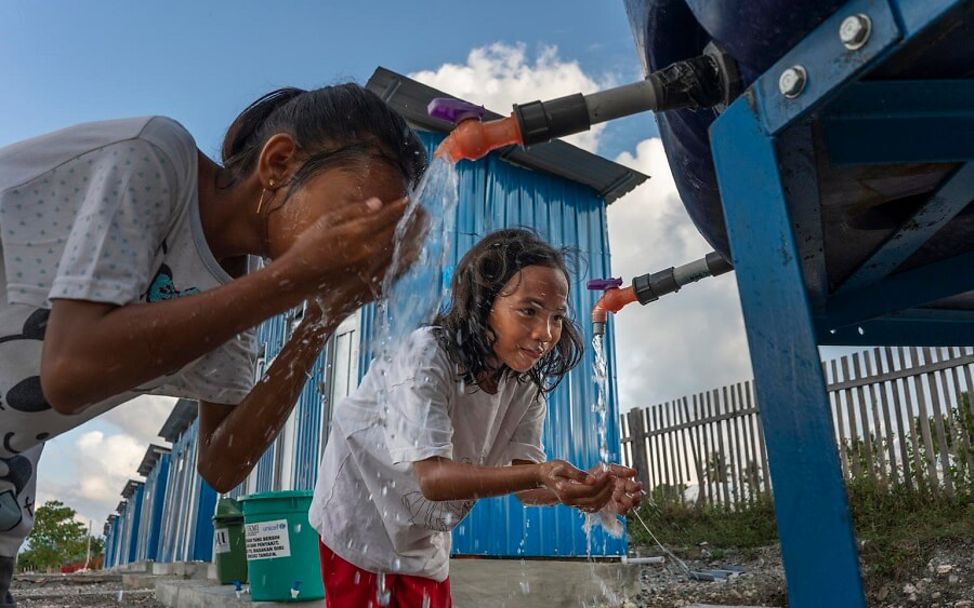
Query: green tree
[{"x": 57, "y": 538}]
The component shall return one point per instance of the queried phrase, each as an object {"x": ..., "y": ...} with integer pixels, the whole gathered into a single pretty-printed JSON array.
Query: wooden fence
[{"x": 901, "y": 416}]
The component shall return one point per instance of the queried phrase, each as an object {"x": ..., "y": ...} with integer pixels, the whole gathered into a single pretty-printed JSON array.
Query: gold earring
[{"x": 263, "y": 193}]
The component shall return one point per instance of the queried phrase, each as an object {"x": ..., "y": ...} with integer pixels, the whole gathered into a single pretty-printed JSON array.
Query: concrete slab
[
  {"x": 541, "y": 583},
  {"x": 474, "y": 582},
  {"x": 195, "y": 570}
]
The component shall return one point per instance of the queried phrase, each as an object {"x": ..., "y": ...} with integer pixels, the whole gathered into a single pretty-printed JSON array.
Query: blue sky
[{"x": 201, "y": 63}]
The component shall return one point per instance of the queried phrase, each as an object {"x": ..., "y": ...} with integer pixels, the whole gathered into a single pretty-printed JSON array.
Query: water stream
[{"x": 413, "y": 296}]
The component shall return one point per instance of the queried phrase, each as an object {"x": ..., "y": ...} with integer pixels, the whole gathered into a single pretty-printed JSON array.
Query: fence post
[{"x": 637, "y": 432}]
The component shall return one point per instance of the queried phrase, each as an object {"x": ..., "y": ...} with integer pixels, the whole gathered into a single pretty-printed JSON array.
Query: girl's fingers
[
  {"x": 579, "y": 495},
  {"x": 599, "y": 500},
  {"x": 567, "y": 471},
  {"x": 365, "y": 214},
  {"x": 621, "y": 471}
]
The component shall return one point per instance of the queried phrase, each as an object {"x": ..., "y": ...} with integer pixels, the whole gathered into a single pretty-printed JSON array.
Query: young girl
[
  {"x": 439, "y": 424},
  {"x": 128, "y": 268}
]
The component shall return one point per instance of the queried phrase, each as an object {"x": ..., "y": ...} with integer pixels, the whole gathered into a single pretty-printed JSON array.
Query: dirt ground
[
  {"x": 947, "y": 581},
  {"x": 79, "y": 591}
]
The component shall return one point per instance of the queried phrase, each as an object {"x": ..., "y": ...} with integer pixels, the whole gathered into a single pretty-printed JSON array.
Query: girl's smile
[{"x": 527, "y": 315}]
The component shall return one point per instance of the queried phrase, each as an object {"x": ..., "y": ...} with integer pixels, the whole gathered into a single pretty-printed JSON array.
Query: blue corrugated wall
[
  {"x": 133, "y": 516},
  {"x": 152, "y": 503},
  {"x": 187, "y": 529}
]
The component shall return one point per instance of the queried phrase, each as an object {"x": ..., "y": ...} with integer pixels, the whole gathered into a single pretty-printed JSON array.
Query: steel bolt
[
  {"x": 854, "y": 31},
  {"x": 792, "y": 81}
]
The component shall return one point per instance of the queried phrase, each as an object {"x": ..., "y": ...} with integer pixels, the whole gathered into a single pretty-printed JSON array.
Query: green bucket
[
  {"x": 229, "y": 554},
  {"x": 282, "y": 547}
]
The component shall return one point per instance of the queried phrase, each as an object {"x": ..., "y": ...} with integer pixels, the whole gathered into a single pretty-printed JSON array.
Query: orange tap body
[
  {"x": 473, "y": 139},
  {"x": 612, "y": 301}
]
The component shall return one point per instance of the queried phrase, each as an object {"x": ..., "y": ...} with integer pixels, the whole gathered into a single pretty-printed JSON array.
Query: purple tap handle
[
  {"x": 454, "y": 110},
  {"x": 603, "y": 284}
]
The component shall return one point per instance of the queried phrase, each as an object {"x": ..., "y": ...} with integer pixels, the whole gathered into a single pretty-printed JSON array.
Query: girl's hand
[
  {"x": 352, "y": 246},
  {"x": 574, "y": 487},
  {"x": 625, "y": 493},
  {"x": 626, "y": 496}
]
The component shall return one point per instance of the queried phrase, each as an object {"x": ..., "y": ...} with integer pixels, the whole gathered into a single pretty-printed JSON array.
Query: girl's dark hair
[
  {"x": 334, "y": 125},
  {"x": 478, "y": 279}
]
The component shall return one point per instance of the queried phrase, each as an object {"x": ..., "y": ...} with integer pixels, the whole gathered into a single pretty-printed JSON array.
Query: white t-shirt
[
  {"x": 107, "y": 212},
  {"x": 368, "y": 507}
]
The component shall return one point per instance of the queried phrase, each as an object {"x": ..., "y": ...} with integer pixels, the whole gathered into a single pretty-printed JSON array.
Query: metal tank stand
[{"x": 767, "y": 178}]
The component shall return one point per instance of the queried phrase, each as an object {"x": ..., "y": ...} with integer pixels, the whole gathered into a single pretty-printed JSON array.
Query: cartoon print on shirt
[
  {"x": 441, "y": 516},
  {"x": 14, "y": 474},
  {"x": 23, "y": 394},
  {"x": 162, "y": 288}
]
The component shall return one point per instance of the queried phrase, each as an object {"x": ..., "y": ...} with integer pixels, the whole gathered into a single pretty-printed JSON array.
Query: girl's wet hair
[
  {"x": 334, "y": 125},
  {"x": 478, "y": 279}
]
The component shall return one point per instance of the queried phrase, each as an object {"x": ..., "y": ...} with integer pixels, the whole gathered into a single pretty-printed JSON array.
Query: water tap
[
  {"x": 612, "y": 300},
  {"x": 472, "y": 138},
  {"x": 295, "y": 589}
]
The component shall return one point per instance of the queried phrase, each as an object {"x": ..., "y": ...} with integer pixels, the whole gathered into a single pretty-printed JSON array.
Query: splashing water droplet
[
  {"x": 382, "y": 593},
  {"x": 601, "y": 381}
]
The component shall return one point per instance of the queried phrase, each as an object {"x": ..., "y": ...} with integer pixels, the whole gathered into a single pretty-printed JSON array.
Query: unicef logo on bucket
[{"x": 267, "y": 540}]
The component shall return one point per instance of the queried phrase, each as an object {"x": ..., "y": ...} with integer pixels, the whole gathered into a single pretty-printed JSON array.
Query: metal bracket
[{"x": 826, "y": 62}]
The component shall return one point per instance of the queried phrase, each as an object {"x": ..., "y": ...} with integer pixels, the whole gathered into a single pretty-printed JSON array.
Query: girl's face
[
  {"x": 327, "y": 192},
  {"x": 527, "y": 316}
]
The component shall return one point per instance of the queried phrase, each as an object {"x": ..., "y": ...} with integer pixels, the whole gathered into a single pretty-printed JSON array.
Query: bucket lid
[
  {"x": 228, "y": 508},
  {"x": 276, "y": 495}
]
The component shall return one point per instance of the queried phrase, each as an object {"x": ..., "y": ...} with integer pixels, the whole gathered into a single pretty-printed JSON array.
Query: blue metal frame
[
  {"x": 949, "y": 200},
  {"x": 901, "y": 121},
  {"x": 817, "y": 544},
  {"x": 901, "y": 291},
  {"x": 914, "y": 327},
  {"x": 787, "y": 309}
]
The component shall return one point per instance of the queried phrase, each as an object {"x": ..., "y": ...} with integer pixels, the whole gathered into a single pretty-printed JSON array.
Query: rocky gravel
[
  {"x": 946, "y": 581},
  {"x": 79, "y": 591}
]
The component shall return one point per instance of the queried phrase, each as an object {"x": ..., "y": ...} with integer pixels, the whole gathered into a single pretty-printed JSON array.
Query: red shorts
[{"x": 348, "y": 586}]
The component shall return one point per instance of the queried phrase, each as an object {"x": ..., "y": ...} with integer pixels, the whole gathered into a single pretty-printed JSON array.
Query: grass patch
[
  {"x": 683, "y": 525},
  {"x": 897, "y": 530}
]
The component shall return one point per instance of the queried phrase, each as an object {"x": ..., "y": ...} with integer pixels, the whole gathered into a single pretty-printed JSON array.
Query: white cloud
[
  {"x": 91, "y": 479},
  {"x": 500, "y": 75},
  {"x": 684, "y": 342},
  {"x": 142, "y": 417}
]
